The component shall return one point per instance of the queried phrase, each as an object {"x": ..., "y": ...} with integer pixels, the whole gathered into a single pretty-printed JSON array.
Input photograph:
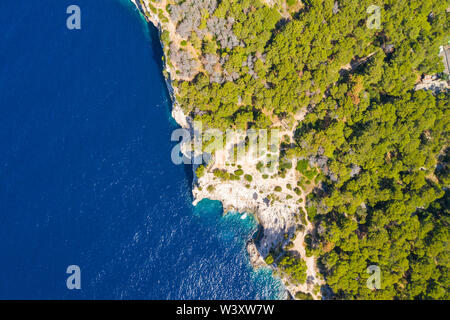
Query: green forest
[{"x": 380, "y": 146}]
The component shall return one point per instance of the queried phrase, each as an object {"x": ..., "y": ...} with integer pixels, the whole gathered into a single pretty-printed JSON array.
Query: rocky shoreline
[{"x": 279, "y": 221}]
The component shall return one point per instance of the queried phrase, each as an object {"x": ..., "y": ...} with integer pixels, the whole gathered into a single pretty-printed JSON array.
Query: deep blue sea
[{"x": 86, "y": 176}]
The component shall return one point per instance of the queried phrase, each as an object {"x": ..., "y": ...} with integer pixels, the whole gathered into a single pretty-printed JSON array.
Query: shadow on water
[
  {"x": 157, "y": 51},
  {"x": 188, "y": 170},
  {"x": 157, "y": 55}
]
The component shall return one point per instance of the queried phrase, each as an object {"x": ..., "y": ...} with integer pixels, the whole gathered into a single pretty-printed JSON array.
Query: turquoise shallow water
[{"x": 85, "y": 170}]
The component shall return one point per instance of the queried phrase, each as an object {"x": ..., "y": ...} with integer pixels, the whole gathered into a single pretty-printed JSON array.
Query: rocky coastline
[{"x": 279, "y": 221}]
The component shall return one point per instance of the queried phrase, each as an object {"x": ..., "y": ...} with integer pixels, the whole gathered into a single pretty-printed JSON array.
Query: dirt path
[{"x": 312, "y": 274}]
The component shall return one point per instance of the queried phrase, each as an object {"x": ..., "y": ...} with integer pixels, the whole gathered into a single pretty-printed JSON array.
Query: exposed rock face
[
  {"x": 255, "y": 257},
  {"x": 276, "y": 218}
]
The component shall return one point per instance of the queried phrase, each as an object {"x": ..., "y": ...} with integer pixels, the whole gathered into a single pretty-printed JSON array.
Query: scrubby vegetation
[{"x": 294, "y": 268}]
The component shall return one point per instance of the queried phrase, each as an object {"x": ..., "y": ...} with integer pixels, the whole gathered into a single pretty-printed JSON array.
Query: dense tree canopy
[{"x": 376, "y": 148}]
